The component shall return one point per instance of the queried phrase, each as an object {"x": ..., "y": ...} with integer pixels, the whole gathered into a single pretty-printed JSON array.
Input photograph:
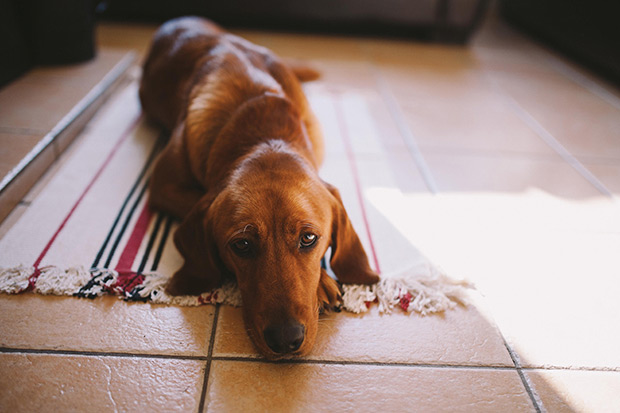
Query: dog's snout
[{"x": 284, "y": 338}]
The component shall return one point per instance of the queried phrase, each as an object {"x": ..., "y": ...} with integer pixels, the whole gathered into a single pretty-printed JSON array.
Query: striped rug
[{"x": 90, "y": 232}]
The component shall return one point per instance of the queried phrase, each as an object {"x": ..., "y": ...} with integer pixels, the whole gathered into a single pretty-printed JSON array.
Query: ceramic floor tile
[
  {"x": 460, "y": 336},
  {"x": 386, "y": 123},
  {"x": 344, "y": 74},
  {"x": 254, "y": 387},
  {"x": 577, "y": 391},
  {"x": 136, "y": 37},
  {"x": 414, "y": 55},
  {"x": 13, "y": 148},
  {"x": 486, "y": 127},
  {"x": 42, "y": 97},
  {"x": 84, "y": 75},
  {"x": 19, "y": 186},
  {"x": 430, "y": 84},
  {"x": 571, "y": 288},
  {"x": 546, "y": 265},
  {"x": 587, "y": 125},
  {"x": 103, "y": 324},
  {"x": 312, "y": 47},
  {"x": 38, "y": 104},
  {"x": 499, "y": 47},
  {"x": 525, "y": 61},
  {"x": 34, "y": 382},
  {"x": 608, "y": 174},
  {"x": 406, "y": 173},
  {"x": 477, "y": 173}
]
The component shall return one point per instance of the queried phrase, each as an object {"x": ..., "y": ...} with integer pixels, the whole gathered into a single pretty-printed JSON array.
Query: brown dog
[{"x": 240, "y": 169}]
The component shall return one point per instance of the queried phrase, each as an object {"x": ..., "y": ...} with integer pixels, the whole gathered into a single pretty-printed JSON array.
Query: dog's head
[{"x": 269, "y": 227}]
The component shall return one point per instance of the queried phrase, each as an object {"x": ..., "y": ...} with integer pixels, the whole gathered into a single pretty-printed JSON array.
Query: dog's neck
[{"x": 266, "y": 119}]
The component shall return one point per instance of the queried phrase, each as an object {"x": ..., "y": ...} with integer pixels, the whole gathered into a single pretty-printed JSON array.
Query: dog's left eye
[
  {"x": 241, "y": 247},
  {"x": 307, "y": 240}
]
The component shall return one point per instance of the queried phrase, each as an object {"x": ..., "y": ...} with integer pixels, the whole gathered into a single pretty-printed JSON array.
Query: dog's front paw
[
  {"x": 329, "y": 294},
  {"x": 184, "y": 283}
]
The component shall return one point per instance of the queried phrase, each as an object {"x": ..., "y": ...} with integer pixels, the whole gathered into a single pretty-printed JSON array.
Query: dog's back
[
  {"x": 167, "y": 72},
  {"x": 197, "y": 73}
]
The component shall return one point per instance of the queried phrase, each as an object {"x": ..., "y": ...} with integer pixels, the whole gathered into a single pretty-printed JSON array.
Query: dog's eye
[
  {"x": 241, "y": 246},
  {"x": 307, "y": 240}
]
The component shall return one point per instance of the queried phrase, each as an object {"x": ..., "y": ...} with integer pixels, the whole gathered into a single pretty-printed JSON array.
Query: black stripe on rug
[
  {"x": 154, "y": 152},
  {"x": 162, "y": 243}
]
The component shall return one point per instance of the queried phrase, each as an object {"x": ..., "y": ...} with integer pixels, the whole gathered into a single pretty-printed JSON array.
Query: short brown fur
[{"x": 240, "y": 169}]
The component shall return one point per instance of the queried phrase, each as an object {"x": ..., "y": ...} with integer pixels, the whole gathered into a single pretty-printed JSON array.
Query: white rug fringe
[
  {"x": 424, "y": 294},
  {"x": 155, "y": 284},
  {"x": 412, "y": 290},
  {"x": 14, "y": 280},
  {"x": 56, "y": 281}
]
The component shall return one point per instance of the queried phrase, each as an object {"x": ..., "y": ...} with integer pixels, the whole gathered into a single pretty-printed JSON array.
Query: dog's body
[{"x": 240, "y": 169}]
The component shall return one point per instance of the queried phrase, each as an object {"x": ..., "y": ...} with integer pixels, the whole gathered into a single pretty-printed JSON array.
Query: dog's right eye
[
  {"x": 307, "y": 240},
  {"x": 240, "y": 247}
]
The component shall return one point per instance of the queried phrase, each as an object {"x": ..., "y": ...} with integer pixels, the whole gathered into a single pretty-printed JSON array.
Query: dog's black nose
[{"x": 284, "y": 338}]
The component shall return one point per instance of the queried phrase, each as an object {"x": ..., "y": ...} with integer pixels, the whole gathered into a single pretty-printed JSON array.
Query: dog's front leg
[
  {"x": 173, "y": 188},
  {"x": 329, "y": 294}
]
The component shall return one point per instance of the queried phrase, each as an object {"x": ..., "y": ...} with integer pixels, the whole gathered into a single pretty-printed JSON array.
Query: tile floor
[{"x": 508, "y": 161}]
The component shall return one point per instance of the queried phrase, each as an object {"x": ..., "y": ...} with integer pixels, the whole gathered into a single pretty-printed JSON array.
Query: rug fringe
[
  {"x": 55, "y": 281},
  {"x": 80, "y": 282},
  {"x": 155, "y": 284},
  {"x": 15, "y": 280},
  {"x": 413, "y": 290},
  {"x": 409, "y": 290}
]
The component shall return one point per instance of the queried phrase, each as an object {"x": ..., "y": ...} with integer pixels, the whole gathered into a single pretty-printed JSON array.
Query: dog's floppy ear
[
  {"x": 348, "y": 261},
  {"x": 202, "y": 269}
]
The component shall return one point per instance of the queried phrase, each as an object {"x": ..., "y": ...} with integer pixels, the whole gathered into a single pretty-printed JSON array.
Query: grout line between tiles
[
  {"x": 559, "y": 148},
  {"x": 572, "y": 368},
  {"x": 529, "y": 388},
  {"x": 252, "y": 359},
  {"x": 100, "y": 353},
  {"x": 205, "y": 380},
  {"x": 582, "y": 80},
  {"x": 361, "y": 363},
  {"x": 210, "y": 358},
  {"x": 550, "y": 140}
]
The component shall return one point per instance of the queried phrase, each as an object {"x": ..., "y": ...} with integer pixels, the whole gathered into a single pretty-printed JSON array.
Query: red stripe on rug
[
  {"x": 358, "y": 186},
  {"x": 32, "y": 279},
  {"x": 128, "y": 256},
  {"x": 127, "y": 279}
]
